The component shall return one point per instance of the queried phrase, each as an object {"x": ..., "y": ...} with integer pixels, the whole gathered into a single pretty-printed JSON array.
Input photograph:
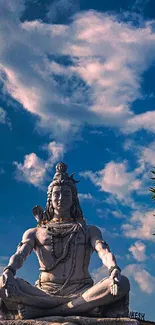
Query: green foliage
[{"x": 152, "y": 189}]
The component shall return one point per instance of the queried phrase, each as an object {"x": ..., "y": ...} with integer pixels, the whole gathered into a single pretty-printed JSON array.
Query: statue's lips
[{"x": 61, "y": 205}]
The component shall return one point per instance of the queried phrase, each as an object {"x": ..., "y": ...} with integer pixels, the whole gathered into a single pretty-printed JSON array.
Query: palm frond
[{"x": 152, "y": 189}]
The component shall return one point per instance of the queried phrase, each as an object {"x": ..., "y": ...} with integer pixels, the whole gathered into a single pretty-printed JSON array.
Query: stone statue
[{"x": 63, "y": 243}]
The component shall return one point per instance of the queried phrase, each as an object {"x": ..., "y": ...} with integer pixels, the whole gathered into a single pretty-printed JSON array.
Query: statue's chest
[{"x": 48, "y": 237}]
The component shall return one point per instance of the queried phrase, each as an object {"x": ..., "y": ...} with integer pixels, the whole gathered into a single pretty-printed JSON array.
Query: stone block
[{"x": 72, "y": 320}]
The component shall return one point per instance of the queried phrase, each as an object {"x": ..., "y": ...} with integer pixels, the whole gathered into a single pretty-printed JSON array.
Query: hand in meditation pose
[{"x": 63, "y": 243}]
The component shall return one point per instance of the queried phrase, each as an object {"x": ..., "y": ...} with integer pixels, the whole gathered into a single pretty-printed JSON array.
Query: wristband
[
  {"x": 11, "y": 269},
  {"x": 113, "y": 268}
]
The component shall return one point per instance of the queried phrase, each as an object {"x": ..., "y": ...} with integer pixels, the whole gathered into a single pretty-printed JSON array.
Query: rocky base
[{"x": 72, "y": 320}]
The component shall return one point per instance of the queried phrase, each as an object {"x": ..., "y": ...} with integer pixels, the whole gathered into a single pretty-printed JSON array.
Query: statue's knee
[
  {"x": 125, "y": 284},
  {"x": 2, "y": 289},
  {"x": 1, "y": 286}
]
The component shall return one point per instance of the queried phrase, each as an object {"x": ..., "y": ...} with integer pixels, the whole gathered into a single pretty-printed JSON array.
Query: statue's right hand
[{"x": 8, "y": 283}]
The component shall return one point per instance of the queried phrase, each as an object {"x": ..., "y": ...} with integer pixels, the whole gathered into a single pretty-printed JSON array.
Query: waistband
[{"x": 70, "y": 282}]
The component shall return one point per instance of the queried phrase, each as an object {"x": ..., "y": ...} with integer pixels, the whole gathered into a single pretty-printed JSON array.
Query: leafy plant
[{"x": 152, "y": 189}]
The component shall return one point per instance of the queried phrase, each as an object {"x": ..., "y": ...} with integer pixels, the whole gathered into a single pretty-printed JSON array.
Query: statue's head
[{"x": 62, "y": 194}]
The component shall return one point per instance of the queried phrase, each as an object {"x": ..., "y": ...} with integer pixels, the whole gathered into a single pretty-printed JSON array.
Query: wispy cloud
[
  {"x": 2, "y": 171},
  {"x": 138, "y": 250},
  {"x": 62, "y": 10},
  {"x": 34, "y": 170},
  {"x": 4, "y": 119},
  {"x": 140, "y": 225},
  {"x": 3, "y": 262},
  {"x": 143, "y": 278},
  {"x": 140, "y": 121},
  {"x": 114, "y": 179},
  {"x": 145, "y": 155},
  {"x": 106, "y": 57},
  {"x": 85, "y": 196},
  {"x": 99, "y": 273}
]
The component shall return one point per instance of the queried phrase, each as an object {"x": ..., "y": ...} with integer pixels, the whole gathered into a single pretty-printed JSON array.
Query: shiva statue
[{"x": 63, "y": 243}]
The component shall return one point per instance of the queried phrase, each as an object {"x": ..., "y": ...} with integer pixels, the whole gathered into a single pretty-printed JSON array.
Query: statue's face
[{"x": 61, "y": 198}]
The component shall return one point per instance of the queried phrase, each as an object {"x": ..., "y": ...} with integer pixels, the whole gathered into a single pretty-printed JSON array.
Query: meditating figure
[{"x": 63, "y": 243}]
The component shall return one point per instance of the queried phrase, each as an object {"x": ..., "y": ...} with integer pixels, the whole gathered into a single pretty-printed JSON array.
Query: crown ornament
[
  {"x": 62, "y": 175},
  {"x": 61, "y": 167}
]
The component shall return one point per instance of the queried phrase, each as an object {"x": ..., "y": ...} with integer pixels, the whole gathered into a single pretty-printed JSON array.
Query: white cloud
[
  {"x": 141, "y": 121},
  {"x": 3, "y": 262},
  {"x": 138, "y": 250},
  {"x": 1, "y": 269},
  {"x": 4, "y": 118},
  {"x": 61, "y": 9},
  {"x": 108, "y": 213},
  {"x": 34, "y": 170},
  {"x": 114, "y": 179},
  {"x": 140, "y": 226},
  {"x": 118, "y": 214},
  {"x": 2, "y": 171},
  {"x": 107, "y": 58},
  {"x": 97, "y": 132},
  {"x": 85, "y": 196},
  {"x": 145, "y": 161},
  {"x": 99, "y": 273},
  {"x": 147, "y": 156},
  {"x": 143, "y": 278}
]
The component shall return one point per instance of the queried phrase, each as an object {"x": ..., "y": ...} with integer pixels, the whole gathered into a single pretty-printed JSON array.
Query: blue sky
[{"x": 77, "y": 84}]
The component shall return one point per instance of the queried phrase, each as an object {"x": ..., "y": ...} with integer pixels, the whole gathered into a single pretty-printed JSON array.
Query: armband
[
  {"x": 28, "y": 242},
  {"x": 115, "y": 267},
  {"x": 20, "y": 245},
  {"x": 25, "y": 242},
  {"x": 10, "y": 268},
  {"x": 103, "y": 242}
]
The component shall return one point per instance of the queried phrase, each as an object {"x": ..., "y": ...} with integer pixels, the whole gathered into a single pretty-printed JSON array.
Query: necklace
[
  {"x": 67, "y": 253},
  {"x": 62, "y": 220},
  {"x": 73, "y": 235},
  {"x": 61, "y": 232}
]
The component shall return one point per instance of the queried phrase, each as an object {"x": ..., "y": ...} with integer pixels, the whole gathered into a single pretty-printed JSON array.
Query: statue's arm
[
  {"x": 23, "y": 250},
  {"x": 16, "y": 261},
  {"x": 107, "y": 258},
  {"x": 102, "y": 248}
]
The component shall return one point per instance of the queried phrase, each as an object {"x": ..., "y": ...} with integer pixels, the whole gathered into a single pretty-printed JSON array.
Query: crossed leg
[
  {"x": 29, "y": 295},
  {"x": 33, "y": 302},
  {"x": 97, "y": 295}
]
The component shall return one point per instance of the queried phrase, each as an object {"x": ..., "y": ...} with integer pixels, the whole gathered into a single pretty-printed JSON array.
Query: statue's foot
[
  {"x": 6, "y": 314},
  {"x": 28, "y": 312},
  {"x": 119, "y": 308},
  {"x": 1, "y": 315},
  {"x": 95, "y": 312}
]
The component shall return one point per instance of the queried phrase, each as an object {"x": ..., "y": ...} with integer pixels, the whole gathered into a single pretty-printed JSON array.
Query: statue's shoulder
[
  {"x": 29, "y": 234},
  {"x": 92, "y": 228},
  {"x": 94, "y": 231}
]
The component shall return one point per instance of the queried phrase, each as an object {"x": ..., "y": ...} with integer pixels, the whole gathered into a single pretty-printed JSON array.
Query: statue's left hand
[
  {"x": 116, "y": 278},
  {"x": 9, "y": 283}
]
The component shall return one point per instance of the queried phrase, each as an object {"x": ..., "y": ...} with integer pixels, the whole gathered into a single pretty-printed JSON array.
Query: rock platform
[{"x": 72, "y": 320}]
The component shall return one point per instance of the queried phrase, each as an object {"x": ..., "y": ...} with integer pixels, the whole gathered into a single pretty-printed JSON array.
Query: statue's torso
[{"x": 50, "y": 248}]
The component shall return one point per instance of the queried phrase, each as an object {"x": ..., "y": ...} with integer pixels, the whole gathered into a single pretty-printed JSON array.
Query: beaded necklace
[
  {"x": 60, "y": 232},
  {"x": 74, "y": 233},
  {"x": 57, "y": 232}
]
